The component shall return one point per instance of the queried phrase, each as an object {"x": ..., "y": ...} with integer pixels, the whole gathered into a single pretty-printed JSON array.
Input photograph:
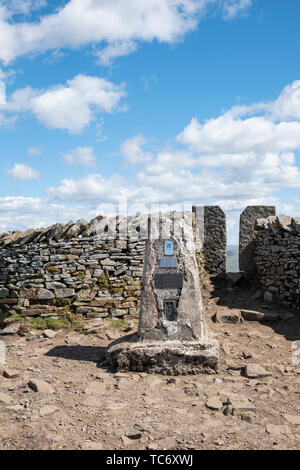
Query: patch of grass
[
  {"x": 68, "y": 322},
  {"x": 12, "y": 318},
  {"x": 119, "y": 323},
  {"x": 103, "y": 280}
]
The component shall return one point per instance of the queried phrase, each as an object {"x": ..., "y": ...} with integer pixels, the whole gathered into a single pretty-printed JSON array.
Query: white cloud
[
  {"x": 117, "y": 23},
  {"x": 72, "y": 106},
  {"x": 81, "y": 155},
  {"x": 232, "y": 8},
  {"x": 287, "y": 106},
  {"x": 131, "y": 150},
  {"x": 116, "y": 49},
  {"x": 229, "y": 135},
  {"x": 2, "y": 92},
  {"x": 23, "y": 172},
  {"x": 89, "y": 188},
  {"x": 233, "y": 161},
  {"x": 20, "y": 213},
  {"x": 231, "y": 158}
]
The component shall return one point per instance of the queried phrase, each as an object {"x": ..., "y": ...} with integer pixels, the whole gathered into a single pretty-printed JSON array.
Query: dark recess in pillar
[{"x": 248, "y": 234}]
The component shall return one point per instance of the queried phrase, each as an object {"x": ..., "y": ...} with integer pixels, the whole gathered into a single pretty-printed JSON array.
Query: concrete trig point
[{"x": 172, "y": 338}]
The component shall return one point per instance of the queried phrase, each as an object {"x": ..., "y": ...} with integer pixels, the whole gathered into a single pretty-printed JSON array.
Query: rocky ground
[{"x": 55, "y": 393}]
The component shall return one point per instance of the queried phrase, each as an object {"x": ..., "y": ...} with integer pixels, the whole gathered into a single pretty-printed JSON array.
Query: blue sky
[{"x": 159, "y": 102}]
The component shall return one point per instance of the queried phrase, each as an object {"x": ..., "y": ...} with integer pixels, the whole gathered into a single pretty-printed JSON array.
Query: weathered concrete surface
[
  {"x": 182, "y": 345},
  {"x": 166, "y": 358},
  {"x": 248, "y": 234}
]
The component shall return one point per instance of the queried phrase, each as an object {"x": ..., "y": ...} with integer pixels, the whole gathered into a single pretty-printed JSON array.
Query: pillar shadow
[
  {"x": 243, "y": 296},
  {"x": 80, "y": 353}
]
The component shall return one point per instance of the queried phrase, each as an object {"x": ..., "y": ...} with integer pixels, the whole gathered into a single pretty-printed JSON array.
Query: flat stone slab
[
  {"x": 161, "y": 357},
  {"x": 264, "y": 317},
  {"x": 256, "y": 371}
]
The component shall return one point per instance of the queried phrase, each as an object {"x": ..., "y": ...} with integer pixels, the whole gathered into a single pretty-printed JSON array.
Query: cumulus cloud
[
  {"x": 231, "y": 158},
  {"x": 81, "y": 155},
  {"x": 232, "y": 8},
  {"x": 2, "y": 92},
  {"x": 131, "y": 149},
  {"x": 117, "y": 23},
  {"x": 261, "y": 147},
  {"x": 234, "y": 160},
  {"x": 20, "y": 213},
  {"x": 71, "y": 107},
  {"x": 89, "y": 188},
  {"x": 23, "y": 172},
  {"x": 116, "y": 49}
]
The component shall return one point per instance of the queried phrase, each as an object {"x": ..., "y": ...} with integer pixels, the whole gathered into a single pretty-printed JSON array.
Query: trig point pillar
[{"x": 172, "y": 337}]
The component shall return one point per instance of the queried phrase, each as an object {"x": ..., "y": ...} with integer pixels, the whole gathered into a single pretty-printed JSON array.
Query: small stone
[
  {"x": 240, "y": 404},
  {"x": 245, "y": 416},
  {"x": 255, "y": 371},
  {"x": 226, "y": 317},
  {"x": 218, "y": 381},
  {"x": 49, "y": 334},
  {"x": 45, "y": 294},
  {"x": 11, "y": 329},
  {"x": 234, "y": 278},
  {"x": 5, "y": 399},
  {"x": 227, "y": 410},
  {"x": 10, "y": 374},
  {"x": 252, "y": 315},
  {"x": 218, "y": 442},
  {"x": 133, "y": 434},
  {"x": 40, "y": 386},
  {"x": 214, "y": 403},
  {"x": 4, "y": 293},
  {"x": 63, "y": 293}
]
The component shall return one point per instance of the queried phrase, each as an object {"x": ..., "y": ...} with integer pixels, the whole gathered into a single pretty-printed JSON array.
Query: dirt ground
[{"x": 86, "y": 407}]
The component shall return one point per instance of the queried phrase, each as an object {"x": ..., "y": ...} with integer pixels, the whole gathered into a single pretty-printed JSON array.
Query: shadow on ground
[
  {"x": 243, "y": 297},
  {"x": 80, "y": 353}
]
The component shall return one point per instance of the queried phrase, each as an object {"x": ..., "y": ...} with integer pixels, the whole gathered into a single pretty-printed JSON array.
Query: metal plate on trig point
[
  {"x": 169, "y": 248},
  {"x": 168, "y": 281},
  {"x": 168, "y": 263}
]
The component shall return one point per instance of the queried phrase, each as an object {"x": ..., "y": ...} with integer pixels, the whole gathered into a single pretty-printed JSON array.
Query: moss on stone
[
  {"x": 103, "y": 280},
  {"x": 61, "y": 302},
  {"x": 79, "y": 276},
  {"x": 12, "y": 318},
  {"x": 68, "y": 322},
  {"x": 116, "y": 290},
  {"x": 119, "y": 323}
]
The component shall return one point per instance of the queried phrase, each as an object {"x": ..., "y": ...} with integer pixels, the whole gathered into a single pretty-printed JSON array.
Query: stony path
[{"x": 79, "y": 405}]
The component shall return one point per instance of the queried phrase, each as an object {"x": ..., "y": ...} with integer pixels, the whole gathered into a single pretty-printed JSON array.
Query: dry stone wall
[
  {"x": 277, "y": 259},
  {"x": 248, "y": 234},
  {"x": 88, "y": 274}
]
